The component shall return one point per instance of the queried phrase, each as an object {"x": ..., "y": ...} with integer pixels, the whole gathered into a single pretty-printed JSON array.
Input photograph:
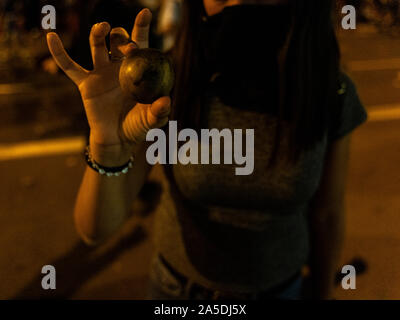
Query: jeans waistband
[{"x": 197, "y": 291}]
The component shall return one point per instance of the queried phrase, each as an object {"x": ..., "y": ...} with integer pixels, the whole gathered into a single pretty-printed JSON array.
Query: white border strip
[{"x": 42, "y": 148}]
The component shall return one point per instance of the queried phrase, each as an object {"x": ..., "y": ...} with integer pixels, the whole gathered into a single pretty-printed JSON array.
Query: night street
[{"x": 43, "y": 132}]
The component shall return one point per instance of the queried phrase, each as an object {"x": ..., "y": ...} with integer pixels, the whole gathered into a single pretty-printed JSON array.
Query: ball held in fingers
[{"x": 146, "y": 75}]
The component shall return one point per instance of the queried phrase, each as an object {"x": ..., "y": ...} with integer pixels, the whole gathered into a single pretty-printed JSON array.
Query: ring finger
[{"x": 120, "y": 44}]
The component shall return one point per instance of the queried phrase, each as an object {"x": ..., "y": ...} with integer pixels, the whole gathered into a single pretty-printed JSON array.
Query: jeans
[{"x": 163, "y": 285}]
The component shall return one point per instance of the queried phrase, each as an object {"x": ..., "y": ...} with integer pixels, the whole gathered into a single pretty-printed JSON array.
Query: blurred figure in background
[
  {"x": 168, "y": 21},
  {"x": 19, "y": 35},
  {"x": 20, "y": 29},
  {"x": 79, "y": 16},
  {"x": 384, "y": 14}
]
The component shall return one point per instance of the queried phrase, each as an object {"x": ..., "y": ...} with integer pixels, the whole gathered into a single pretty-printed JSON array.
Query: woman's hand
[{"x": 114, "y": 119}]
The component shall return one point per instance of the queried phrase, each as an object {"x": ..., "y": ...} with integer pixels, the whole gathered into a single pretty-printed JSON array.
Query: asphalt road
[{"x": 38, "y": 191}]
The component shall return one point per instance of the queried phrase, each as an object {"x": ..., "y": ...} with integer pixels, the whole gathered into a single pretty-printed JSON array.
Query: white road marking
[
  {"x": 15, "y": 88},
  {"x": 42, "y": 148},
  {"x": 384, "y": 112},
  {"x": 374, "y": 65}
]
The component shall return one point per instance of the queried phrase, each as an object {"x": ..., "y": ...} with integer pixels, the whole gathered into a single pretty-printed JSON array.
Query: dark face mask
[{"x": 241, "y": 44}]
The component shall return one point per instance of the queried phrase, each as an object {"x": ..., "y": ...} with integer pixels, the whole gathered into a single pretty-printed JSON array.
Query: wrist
[
  {"x": 108, "y": 171},
  {"x": 111, "y": 155}
]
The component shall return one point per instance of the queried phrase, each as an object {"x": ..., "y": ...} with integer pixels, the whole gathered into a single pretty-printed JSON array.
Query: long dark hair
[{"x": 309, "y": 73}]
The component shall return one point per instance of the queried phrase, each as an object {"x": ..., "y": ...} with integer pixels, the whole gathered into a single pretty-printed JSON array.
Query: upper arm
[
  {"x": 329, "y": 198},
  {"x": 348, "y": 115}
]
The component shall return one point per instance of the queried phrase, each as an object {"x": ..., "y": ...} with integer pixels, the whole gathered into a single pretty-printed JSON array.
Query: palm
[
  {"x": 109, "y": 108},
  {"x": 100, "y": 82},
  {"x": 104, "y": 102}
]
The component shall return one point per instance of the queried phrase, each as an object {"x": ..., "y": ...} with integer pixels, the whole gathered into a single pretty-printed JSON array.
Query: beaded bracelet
[{"x": 108, "y": 171}]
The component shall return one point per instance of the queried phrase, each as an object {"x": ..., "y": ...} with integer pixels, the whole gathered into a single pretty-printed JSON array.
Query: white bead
[
  {"x": 109, "y": 174},
  {"x": 125, "y": 170},
  {"x": 101, "y": 171},
  {"x": 117, "y": 174}
]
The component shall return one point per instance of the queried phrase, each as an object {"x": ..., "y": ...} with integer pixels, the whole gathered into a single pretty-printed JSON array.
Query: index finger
[
  {"x": 141, "y": 28},
  {"x": 73, "y": 70}
]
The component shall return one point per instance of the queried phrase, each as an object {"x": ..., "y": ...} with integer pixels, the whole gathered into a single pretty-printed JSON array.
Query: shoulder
[
  {"x": 346, "y": 85},
  {"x": 350, "y": 111}
]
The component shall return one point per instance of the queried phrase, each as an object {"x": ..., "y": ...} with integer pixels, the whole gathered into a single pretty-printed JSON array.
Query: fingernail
[{"x": 100, "y": 25}]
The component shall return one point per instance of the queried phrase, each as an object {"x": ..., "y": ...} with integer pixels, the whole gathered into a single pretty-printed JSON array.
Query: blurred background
[{"x": 43, "y": 131}]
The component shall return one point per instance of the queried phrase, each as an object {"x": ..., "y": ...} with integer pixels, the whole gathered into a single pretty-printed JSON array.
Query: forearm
[
  {"x": 103, "y": 203},
  {"x": 117, "y": 123},
  {"x": 327, "y": 235}
]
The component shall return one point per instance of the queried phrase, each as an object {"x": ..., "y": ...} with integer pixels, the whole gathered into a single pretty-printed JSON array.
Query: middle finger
[{"x": 98, "y": 44}]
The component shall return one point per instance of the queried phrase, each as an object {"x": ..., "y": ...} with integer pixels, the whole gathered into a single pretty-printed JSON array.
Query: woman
[{"x": 268, "y": 65}]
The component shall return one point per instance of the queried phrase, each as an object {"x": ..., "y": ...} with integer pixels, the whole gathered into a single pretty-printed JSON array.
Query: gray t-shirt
[{"x": 245, "y": 233}]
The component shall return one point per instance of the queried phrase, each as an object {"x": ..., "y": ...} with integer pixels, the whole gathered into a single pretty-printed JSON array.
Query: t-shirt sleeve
[{"x": 351, "y": 112}]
